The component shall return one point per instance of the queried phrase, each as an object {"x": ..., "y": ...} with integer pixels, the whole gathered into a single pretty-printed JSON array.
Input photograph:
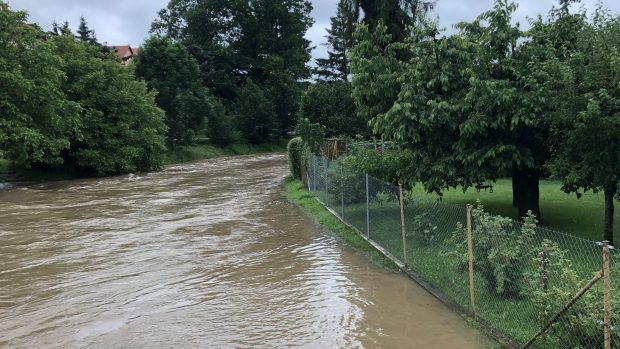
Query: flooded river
[{"x": 207, "y": 254}]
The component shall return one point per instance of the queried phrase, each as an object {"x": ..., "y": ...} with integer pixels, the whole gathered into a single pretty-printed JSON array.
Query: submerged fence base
[{"x": 486, "y": 328}]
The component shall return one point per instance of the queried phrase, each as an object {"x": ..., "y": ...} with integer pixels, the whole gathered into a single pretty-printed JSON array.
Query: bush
[
  {"x": 296, "y": 158},
  {"x": 581, "y": 324},
  {"x": 501, "y": 250},
  {"x": 390, "y": 165}
]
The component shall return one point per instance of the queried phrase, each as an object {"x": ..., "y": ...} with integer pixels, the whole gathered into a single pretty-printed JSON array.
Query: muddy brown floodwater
[{"x": 207, "y": 254}]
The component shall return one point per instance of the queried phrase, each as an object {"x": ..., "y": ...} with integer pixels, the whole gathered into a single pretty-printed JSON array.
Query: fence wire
[{"x": 523, "y": 274}]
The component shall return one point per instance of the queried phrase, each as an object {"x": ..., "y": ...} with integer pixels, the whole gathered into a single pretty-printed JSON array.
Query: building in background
[{"x": 126, "y": 53}]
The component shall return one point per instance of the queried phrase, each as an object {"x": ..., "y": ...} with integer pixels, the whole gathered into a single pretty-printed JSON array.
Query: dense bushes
[
  {"x": 391, "y": 165},
  {"x": 66, "y": 104},
  {"x": 296, "y": 156}
]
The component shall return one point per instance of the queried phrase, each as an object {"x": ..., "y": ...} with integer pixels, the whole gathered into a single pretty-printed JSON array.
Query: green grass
[
  {"x": 207, "y": 151},
  {"x": 296, "y": 192},
  {"x": 563, "y": 212}
]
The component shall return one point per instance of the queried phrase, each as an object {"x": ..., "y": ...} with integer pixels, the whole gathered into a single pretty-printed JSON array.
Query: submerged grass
[{"x": 297, "y": 193}]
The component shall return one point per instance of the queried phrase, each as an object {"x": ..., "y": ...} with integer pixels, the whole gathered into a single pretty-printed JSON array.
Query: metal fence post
[
  {"x": 470, "y": 253},
  {"x": 314, "y": 173},
  {"x": 367, "y": 209},
  {"x": 342, "y": 190},
  {"x": 607, "y": 295},
  {"x": 402, "y": 223},
  {"x": 326, "y": 192}
]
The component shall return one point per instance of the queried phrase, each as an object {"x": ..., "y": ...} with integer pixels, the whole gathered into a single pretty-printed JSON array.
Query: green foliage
[
  {"x": 221, "y": 129},
  {"x": 238, "y": 41},
  {"x": 374, "y": 64},
  {"x": 312, "y": 135},
  {"x": 330, "y": 104},
  {"x": 171, "y": 70},
  {"x": 501, "y": 250},
  {"x": 37, "y": 122},
  {"x": 256, "y": 118},
  {"x": 399, "y": 15},
  {"x": 122, "y": 129},
  {"x": 586, "y": 120},
  {"x": 553, "y": 284},
  {"x": 296, "y": 156},
  {"x": 387, "y": 164}
]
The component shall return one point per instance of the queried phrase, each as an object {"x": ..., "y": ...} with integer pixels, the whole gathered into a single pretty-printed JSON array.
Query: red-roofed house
[{"x": 126, "y": 53}]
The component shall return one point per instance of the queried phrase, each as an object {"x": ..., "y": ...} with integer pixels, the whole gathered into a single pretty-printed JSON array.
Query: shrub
[
  {"x": 390, "y": 165},
  {"x": 312, "y": 135},
  {"x": 501, "y": 250},
  {"x": 581, "y": 325},
  {"x": 296, "y": 149}
]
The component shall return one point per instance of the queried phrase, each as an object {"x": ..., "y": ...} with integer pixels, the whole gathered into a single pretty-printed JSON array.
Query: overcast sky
[{"x": 122, "y": 22}]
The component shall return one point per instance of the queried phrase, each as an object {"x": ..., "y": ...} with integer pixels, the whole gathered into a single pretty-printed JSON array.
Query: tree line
[{"x": 216, "y": 70}]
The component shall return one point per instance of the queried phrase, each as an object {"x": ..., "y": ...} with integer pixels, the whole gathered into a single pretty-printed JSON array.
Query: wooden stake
[
  {"x": 402, "y": 223},
  {"x": 607, "y": 295},
  {"x": 470, "y": 252},
  {"x": 367, "y": 209}
]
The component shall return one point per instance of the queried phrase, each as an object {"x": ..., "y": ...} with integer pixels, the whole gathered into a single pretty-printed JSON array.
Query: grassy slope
[
  {"x": 564, "y": 212},
  {"x": 297, "y": 193}
]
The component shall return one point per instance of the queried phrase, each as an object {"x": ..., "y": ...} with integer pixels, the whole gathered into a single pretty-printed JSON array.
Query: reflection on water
[{"x": 206, "y": 254}]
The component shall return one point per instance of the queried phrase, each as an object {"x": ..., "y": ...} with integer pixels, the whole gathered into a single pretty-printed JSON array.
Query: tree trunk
[
  {"x": 608, "y": 229},
  {"x": 526, "y": 192},
  {"x": 515, "y": 186}
]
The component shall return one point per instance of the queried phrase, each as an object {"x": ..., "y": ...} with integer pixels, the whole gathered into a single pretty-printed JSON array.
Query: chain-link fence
[{"x": 537, "y": 287}]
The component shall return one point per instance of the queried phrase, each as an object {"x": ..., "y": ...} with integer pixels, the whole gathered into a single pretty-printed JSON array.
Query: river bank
[{"x": 10, "y": 174}]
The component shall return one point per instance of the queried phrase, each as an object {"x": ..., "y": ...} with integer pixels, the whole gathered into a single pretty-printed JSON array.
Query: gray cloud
[{"x": 119, "y": 22}]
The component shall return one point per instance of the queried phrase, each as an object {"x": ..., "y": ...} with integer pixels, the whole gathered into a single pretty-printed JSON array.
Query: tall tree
[
  {"x": 85, "y": 34},
  {"x": 256, "y": 118},
  {"x": 339, "y": 42},
  {"x": 330, "y": 104},
  {"x": 586, "y": 124},
  {"x": 397, "y": 15},
  {"x": 234, "y": 41},
  {"x": 460, "y": 103},
  {"x": 66, "y": 29},
  {"x": 171, "y": 70}
]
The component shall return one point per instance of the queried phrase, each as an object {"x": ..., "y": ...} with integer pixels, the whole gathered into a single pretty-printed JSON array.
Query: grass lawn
[{"x": 563, "y": 212}]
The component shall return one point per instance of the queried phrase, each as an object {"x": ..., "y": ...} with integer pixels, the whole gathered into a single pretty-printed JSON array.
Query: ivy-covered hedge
[{"x": 296, "y": 157}]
